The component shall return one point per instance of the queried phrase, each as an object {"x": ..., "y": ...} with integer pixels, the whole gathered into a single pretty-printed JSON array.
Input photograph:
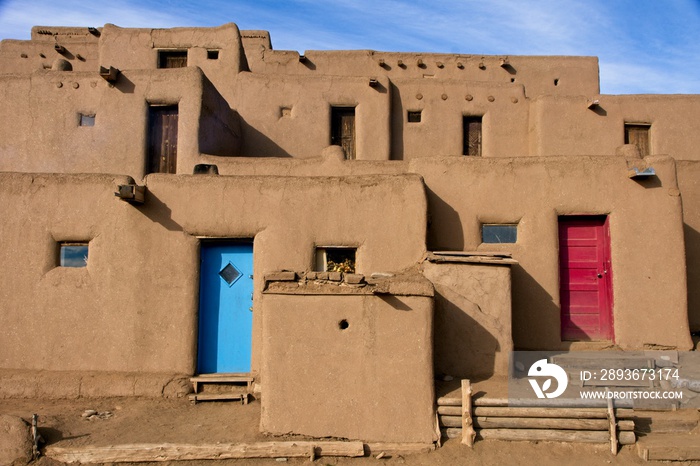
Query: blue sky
[{"x": 644, "y": 46}]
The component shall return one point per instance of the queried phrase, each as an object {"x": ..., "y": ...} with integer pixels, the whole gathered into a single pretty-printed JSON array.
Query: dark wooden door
[
  {"x": 343, "y": 130},
  {"x": 639, "y": 136},
  {"x": 472, "y": 135},
  {"x": 162, "y": 139},
  {"x": 585, "y": 278}
]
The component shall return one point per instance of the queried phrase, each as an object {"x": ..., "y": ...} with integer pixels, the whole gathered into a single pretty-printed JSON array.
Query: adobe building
[{"x": 341, "y": 227}]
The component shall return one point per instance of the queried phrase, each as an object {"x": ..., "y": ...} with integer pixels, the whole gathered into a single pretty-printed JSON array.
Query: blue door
[{"x": 225, "y": 308}]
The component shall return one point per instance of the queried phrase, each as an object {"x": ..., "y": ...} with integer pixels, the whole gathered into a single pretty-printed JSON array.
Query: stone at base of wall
[
  {"x": 69, "y": 384},
  {"x": 15, "y": 440}
]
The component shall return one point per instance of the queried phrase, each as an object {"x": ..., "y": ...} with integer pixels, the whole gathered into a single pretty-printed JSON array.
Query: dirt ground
[{"x": 135, "y": 420}]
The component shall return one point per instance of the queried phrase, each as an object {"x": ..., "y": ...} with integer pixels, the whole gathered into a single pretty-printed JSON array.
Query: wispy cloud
[
  {"x": 17, "y": 17},
  {"x": 644, "y": 46}
]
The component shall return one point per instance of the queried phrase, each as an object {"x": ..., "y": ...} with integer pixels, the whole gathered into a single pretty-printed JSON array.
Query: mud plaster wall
[
  {"x": 290, "y": 116},
  {"x": 689, "y": 183},
  {"x": 539, "y": 75},
  {"x": 40, "y": 129},
  {"x": 372, "y": 381},
  {"x": 126, "y": 311},
  {"x": 473, "y": 335},
  {"x": 648, "y": 254},
  {"x": 134, "y": 307},
  {"x": 443, "y": 104},
  {"x": 565, "y": 126},
  {"x": 137, "y": 49}
]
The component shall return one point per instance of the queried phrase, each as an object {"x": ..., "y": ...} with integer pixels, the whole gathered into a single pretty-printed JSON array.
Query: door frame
[
  {"x": 168, "y": 165},
  {"x": 219, "y": 241},
  {"x": 338, "y": 112},
  {"x": 607, "y": 275}
]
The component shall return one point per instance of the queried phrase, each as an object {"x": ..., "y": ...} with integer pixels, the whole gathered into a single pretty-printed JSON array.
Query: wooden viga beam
[
  {"x": 573, "y": 413},
  {"x": 573, "y": 436},
  {"x": 133, "y": 453},
  {"x": 484, "y": 422}
]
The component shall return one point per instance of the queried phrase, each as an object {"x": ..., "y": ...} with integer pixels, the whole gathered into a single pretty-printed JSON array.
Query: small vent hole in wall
[
  {"x": 86, "y": 119},
  {"x": 212, "y": 54},
  {"x": 414, "y": 116},
  {"x": 343, "y": 324},
  {"x": 556, "y": 81}
]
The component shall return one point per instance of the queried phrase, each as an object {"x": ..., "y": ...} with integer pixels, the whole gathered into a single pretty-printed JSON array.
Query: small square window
[
  {"x": 499, "y": 233},
  {"x": 172, "y": 58},
  {"x": 87, "y": 119},
  {"x": 414, "y": 116},
  {"x": 336, "y": 259},
  {"x": 73, "y": 254},
  {"x": 212, "y": 54}
]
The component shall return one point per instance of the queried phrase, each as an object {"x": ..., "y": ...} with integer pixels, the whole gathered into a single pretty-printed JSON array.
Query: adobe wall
[
  {"x": 539, "y": 75},
  {"x": 646, "y": 228},
  {"x": 137, "y": 49},
  {"x": 80, "y": 50},
  {"x": 290, "y": 116},
  {"x": 129, "y": 310},
  {"x": 503, "y": 108},
  {"x": 134, "y": 307},
  {"x": 40, "y": 131},
  {"x": 566, "y": 126},
  {"x": 371, "y": 381},
  {"x": 689, "y": 183},
  {"x": 473, "y": 336},
  {"x": 330, "y": 162}
]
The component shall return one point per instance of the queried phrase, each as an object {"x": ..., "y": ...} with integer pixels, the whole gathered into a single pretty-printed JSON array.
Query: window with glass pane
[
  {"x": 499, "y": 233},
  {"x": 73, "y": 255}
]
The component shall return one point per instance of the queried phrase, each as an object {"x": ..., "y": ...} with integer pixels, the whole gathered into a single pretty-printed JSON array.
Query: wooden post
[
  {"x": 468, "y": 432},
  {"x": 612, "y": 424},
  {"x": 438, "y": 432}
]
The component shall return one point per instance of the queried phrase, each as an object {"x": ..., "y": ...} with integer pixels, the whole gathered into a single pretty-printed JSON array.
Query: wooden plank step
[
  {"x": 246, "y": 379},
  {"x": 664, "y": 422},
  {"x": 214, "y": 375},
  {"x": 222, "y": 379},
  {"x": 195, "y": 397},
  {"x": 669, "y": 447}
]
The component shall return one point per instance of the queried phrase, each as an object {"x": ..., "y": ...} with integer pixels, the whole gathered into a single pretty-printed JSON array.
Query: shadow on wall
[
  {"x": 536, "y": 318},
  {"x": 159, "y": 212},
  {"x": 256, "y": 144},
  {"x": 220, "y": 134},
  {"x": 463, "y": 347},
  {"x": 449, "y": 236},
  {"x": 124, "y": 84},
  {"x": 219, "y": 124},
  {"x": 396, "y": 124},
  {"x": 395, "y": 302},
  {"x": 692, "y": 262},
  {"x": 650, "y": 182}
]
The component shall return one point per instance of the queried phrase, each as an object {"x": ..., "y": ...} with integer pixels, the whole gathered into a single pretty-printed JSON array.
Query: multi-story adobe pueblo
[{"x": 340, "y": 227}]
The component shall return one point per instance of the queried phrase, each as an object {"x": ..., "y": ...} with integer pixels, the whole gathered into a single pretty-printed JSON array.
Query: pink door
[{"x": 585, "y": 278}]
